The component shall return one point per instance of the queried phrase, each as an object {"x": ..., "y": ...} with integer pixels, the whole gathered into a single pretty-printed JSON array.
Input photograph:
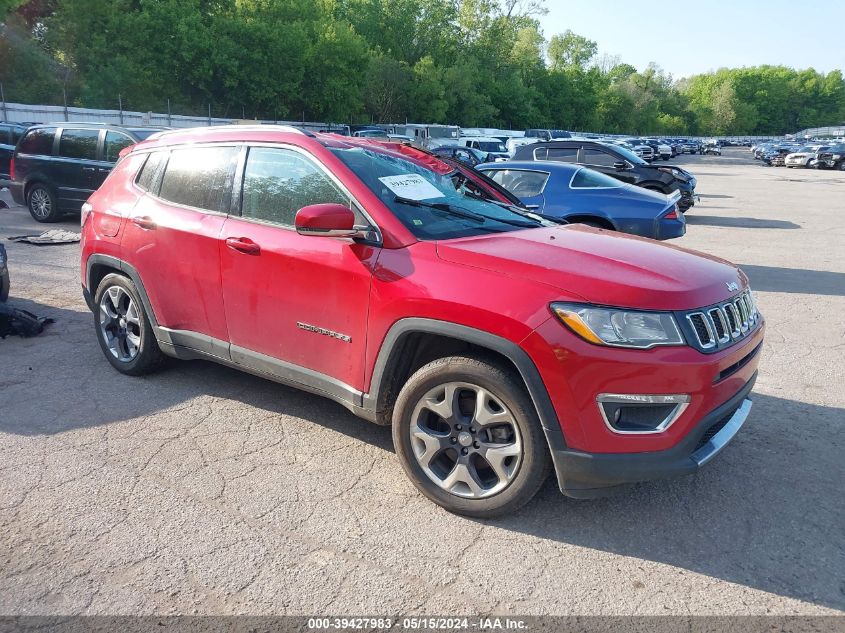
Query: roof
[{"x": 534, "y": 165}]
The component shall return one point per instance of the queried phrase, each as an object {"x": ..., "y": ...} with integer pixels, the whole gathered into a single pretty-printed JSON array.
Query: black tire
[
  {"x": 41, "y": 202},
  {"x": 504, "y": 385},
  {"x": 842, "y": 166},
  {"x": 4, "y": 286},
  {"x": 148, "y": 357}
]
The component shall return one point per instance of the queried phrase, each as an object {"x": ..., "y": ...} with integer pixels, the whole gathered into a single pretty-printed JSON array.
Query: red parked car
[{"x": 413, "y": 291}]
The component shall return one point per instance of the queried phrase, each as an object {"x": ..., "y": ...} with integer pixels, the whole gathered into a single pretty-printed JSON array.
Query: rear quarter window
[
  {"x": 147, "y": 175},
  {"x": 200, "y": 177},
  {"x": 38, "y": 141}
]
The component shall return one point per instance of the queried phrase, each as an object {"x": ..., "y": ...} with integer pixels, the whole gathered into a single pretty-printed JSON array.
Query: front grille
[
  {"x": 714, "y": 428},
  {"x": 722, "y": 325}
]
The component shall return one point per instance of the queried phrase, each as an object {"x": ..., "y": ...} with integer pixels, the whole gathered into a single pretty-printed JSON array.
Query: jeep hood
[{"x": 601, "y": 267}]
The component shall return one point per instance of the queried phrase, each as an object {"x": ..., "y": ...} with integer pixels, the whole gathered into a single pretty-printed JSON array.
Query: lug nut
[
  {"x": 458, "y": 427},
  {"x": 476, "y": 445},
  {"x": 464, "y": 451},
  {"x": 454, "y": 440}
]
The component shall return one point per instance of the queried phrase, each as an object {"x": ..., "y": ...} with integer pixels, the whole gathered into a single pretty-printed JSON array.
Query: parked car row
[
  {"x": 805, "y": 154},
  {"x": 454, "y": 305}
]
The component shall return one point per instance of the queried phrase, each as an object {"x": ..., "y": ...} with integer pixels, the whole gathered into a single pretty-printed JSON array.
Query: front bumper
[{"x": 588, "y": 475}]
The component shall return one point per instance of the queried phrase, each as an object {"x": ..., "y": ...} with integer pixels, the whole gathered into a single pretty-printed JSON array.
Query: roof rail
[{"x": 269, "y": 127}]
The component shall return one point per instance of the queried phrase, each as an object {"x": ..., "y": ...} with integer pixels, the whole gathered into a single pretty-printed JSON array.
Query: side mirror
[
  {"x": 326, "y": 220},
  {"x": 620, "y": 165}
]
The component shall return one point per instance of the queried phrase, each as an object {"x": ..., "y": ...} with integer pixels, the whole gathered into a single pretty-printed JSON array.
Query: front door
[
  {"x": 294, "y": 302},
  {"x": 605, "y": 162}
]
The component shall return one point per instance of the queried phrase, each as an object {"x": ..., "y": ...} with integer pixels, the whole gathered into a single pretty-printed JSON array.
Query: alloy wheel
[
  {"x": 40, "y": 203},
  {"x": 120, "y": 324},
  {"x": 466, "y": 440}
]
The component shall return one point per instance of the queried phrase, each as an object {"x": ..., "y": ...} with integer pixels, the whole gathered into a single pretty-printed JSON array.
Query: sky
[{"x": 687, "y": 37}]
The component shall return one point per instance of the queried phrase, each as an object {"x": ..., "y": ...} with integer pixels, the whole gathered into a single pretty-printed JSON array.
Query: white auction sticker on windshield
[{"x": 411, "y": 186}]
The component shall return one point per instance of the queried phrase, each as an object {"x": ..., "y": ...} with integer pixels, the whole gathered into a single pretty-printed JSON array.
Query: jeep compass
[{"x": 499, "y": 346}]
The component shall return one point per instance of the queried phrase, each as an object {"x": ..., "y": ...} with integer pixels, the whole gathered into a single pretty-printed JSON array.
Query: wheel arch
[
  {"x": 410, "y": 343},
  {"x": 99, "y": 265},
  {"x": 595, "y": 219}
]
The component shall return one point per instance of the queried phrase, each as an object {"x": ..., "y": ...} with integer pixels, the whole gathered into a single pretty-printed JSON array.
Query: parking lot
[{"x": 204, "y": 490}]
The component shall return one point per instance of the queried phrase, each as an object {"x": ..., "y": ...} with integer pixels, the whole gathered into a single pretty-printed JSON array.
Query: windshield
[
  {"x": 630, "y": 156},
  {"x": 408, "y": 189}
]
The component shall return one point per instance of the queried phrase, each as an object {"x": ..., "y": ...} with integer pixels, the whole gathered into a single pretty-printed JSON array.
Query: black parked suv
[
  {"x": 10, "y": 133},
  {"x": 618, "y": 162},
  {"x": 57, "y": 166},
  {"x": 832, "y": 158}
]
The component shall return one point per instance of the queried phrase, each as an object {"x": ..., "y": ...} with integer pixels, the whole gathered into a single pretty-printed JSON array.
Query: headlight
[{"x": 619, "y": 328}]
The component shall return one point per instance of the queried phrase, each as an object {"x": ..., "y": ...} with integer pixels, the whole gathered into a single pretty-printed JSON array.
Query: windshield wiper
[
  {"x": 442, "y": 206},
  {"x": 526, "y": 213}
]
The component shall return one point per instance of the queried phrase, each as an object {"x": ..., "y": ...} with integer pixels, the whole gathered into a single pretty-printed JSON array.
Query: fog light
[{"x": 639, "y": 414}]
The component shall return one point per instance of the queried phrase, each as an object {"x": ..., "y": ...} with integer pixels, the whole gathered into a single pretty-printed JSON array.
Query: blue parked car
[{"x": 580, "y": 195}]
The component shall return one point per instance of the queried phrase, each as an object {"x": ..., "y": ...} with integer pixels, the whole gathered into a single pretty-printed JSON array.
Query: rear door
[
  {"x": 171, "y": 238},
  {"x": 75, "y": 166}
]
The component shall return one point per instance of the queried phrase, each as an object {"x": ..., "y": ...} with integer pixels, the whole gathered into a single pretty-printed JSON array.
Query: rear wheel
[
  {"x": 468, "y": 437},
  {"x": 42, "y": 203},
  {"x": 123, "y": 328}
]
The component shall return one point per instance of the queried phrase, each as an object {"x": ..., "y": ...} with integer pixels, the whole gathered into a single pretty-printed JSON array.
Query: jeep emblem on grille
[{"x": 732, "y": 286}]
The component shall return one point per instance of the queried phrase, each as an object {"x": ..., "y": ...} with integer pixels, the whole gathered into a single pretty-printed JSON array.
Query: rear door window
[
  {"x": 200, "y": 177},
  {"x": 38, "y": 141},
  {"x": 79, "y": 144},
  {"x": 115, "y": 141}
]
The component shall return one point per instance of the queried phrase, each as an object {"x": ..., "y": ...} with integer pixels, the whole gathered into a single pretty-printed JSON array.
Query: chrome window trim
[{"x": 681, "y": 402}]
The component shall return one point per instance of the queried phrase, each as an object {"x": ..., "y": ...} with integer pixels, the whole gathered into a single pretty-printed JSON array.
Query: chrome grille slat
[{"x": 722, "y": 325}]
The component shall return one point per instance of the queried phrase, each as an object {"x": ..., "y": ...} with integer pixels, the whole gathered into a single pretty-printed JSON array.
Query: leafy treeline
[{"x": 469, "y": 62}]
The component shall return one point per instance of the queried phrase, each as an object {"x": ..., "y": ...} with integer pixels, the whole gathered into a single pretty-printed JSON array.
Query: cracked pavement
[{"x": 201, "y": 490}]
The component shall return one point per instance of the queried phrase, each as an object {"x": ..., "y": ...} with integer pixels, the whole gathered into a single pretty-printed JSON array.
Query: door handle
[
  {"x": 243, "y": 245},
  {"x": 144, "y": 222},
  {"x": 88, "y": 169},
  {"x": 104, "y": 169}
]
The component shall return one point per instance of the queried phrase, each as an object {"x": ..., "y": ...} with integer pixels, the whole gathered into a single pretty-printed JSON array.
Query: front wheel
[
  {"x": 468, "y": 437},
  {"x": 842, "y": 166}
]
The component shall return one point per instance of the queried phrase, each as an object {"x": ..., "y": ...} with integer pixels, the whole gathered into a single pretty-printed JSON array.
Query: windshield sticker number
[{"x": 411, "y": 186}]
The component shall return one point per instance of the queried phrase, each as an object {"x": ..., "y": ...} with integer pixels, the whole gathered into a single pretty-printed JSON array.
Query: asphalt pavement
[{"x": 202, "y": 490}]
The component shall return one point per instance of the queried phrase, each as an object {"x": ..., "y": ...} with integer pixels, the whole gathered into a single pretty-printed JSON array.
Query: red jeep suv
[{"x": 413, "y": 291}]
